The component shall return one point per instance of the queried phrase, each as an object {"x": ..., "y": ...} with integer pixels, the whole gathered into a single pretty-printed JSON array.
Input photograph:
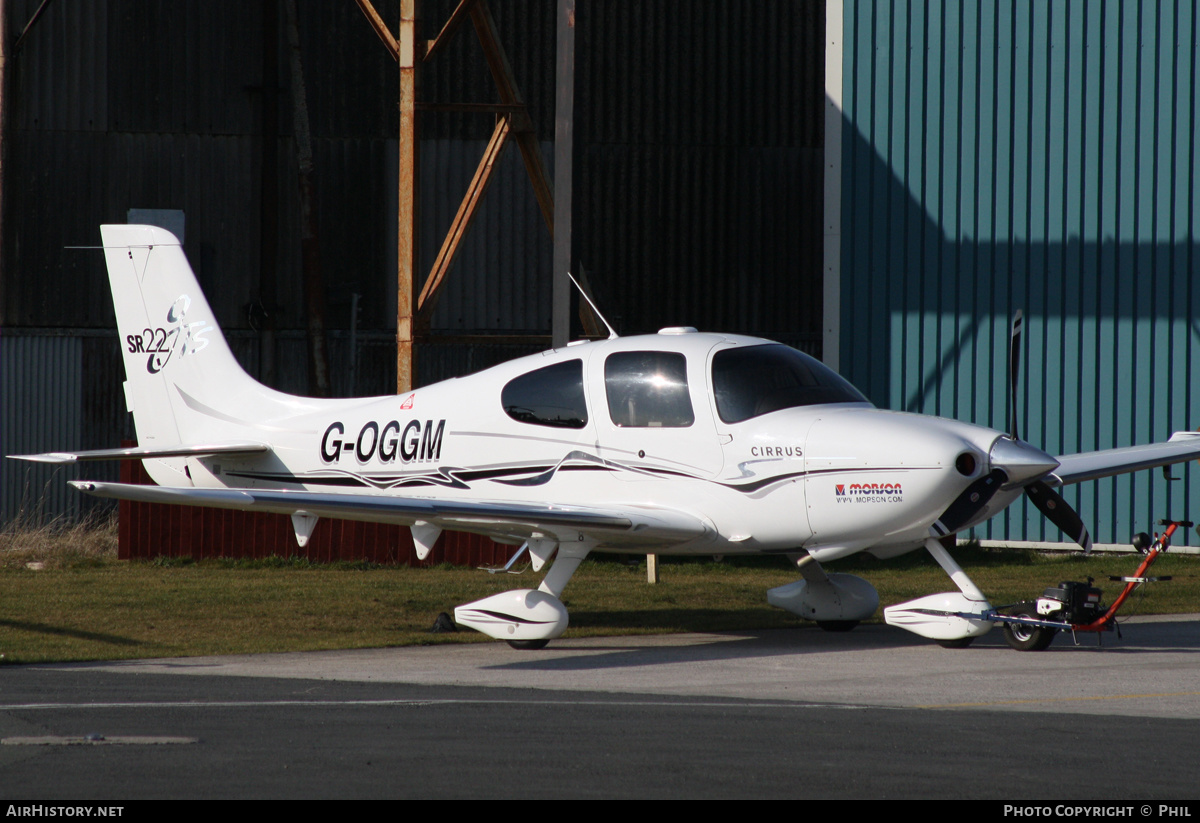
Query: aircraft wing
[
  {"x": 1075, "y": 468},
  {"x": 135, "y": 453},
  {"x": 625, "y": 527}
]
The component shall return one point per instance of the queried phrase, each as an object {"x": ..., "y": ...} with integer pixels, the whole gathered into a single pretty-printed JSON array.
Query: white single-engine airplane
[{"x": 674, "y": 443}]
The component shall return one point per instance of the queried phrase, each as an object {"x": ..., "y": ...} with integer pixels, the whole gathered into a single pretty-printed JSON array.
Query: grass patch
[
  {"x": 64, "y": 596},
  {"x": 27, "y": 543}
]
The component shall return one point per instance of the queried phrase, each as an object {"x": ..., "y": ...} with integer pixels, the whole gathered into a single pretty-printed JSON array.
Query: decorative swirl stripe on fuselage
[{"x": 526, "y": 475}]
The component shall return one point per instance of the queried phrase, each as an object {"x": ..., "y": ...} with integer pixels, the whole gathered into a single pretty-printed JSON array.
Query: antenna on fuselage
[{"x": 612, "y": 335}]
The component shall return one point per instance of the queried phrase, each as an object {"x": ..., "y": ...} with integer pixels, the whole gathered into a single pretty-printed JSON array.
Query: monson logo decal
[
  {"x": 868, "y": 493},
  {"x": 388, "y": 442}
]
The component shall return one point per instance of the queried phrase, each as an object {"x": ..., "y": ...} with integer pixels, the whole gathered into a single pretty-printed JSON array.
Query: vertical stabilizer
[{"x": 172, "y": 348}]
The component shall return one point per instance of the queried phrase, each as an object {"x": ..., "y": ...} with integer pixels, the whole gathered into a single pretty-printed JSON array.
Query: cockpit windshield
[{"x": 755, "y": 380}]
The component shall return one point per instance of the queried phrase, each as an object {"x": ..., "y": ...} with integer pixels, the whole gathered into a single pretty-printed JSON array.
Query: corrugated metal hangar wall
[
  {"x": 697, "y": 186},
  {"x": 1038, "y": 156}
]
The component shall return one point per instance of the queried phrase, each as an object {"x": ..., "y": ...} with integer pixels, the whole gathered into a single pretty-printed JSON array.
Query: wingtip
[{"x": 48, "y": 457}]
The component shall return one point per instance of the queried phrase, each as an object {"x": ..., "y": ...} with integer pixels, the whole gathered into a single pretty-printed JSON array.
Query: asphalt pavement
[{"x": 875, "y": 713}]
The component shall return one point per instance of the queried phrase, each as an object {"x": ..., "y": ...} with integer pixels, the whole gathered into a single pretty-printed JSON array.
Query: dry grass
[{"x": 26, "y": 544}]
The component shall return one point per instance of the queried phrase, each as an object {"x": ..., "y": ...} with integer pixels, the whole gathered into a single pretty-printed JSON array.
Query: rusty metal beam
[
  {"x": 462, "y": 220},
  {"x": 28, "y": 26},
  {"x": 448, "y": 31},
  {"x": 532, "y": 155},
  {"x": 408, "y": 228},
  {"x": 506, "y": 84},
  {"x": 310, "y": 249},
  {"x": 593, "y": 326},
  {"x": 4, "y": 105},
  {"x": 564, "y": 161},
  {"x": 493, "y": 52},
  {"x": 380, "y": 28},
  {"x": 413, "y": 316}
]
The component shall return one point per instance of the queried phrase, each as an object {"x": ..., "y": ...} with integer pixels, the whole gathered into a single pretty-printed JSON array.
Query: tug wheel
[
  {"x": 837, "y": 625},
  {"x": 1027, "y": 638},
  {"x": 528, "y": 645}
]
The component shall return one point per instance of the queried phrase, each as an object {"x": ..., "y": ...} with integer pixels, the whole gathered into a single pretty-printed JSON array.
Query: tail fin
[{"x": 175, "y": 356}]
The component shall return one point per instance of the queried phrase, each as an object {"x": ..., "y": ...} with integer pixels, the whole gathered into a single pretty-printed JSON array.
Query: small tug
[{"x": 1076, "y": 607}]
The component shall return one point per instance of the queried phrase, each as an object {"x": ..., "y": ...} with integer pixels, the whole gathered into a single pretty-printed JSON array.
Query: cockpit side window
[
  {"x": 755, "y": 380},
  {"x": 648, "y": 389},
  {"x": 551, "y": 396}
]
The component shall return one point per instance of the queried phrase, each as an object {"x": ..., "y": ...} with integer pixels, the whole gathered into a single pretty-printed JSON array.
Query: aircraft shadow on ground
[
  {"x": 1170, "y": 636},
  {"x": 747, "y": 644},
  {"x": 45, "y": 628}
]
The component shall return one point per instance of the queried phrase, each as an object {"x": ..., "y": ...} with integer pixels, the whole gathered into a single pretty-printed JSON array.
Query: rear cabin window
[
  {"x": 552, "y": 396},
  {"x": 755, "y": 380},
  {"x": 648, "y": 389}
]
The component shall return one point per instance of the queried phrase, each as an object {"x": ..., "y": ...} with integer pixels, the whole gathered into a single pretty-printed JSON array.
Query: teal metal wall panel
[{"x": 1038, "y": 156}]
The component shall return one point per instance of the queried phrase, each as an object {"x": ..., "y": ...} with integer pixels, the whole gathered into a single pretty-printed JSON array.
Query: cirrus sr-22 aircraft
[{"x": 672, "y": 443}]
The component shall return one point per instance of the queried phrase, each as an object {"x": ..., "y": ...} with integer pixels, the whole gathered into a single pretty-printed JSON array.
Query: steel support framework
[{"x": 413, "y": 315}]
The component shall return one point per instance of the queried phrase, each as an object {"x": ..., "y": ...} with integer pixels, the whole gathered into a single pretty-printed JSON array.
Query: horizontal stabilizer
[
  {"x": 1076, "y": 468},
  {"x": 630, "y": 526},
  {"x": 136, "y": 453}
]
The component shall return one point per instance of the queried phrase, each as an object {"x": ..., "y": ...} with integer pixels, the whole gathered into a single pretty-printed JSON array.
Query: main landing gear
[{"x": 529, "y": 618}]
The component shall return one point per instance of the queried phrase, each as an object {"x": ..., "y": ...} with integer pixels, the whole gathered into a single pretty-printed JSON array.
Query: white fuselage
[{"x": 832, "y": 478}]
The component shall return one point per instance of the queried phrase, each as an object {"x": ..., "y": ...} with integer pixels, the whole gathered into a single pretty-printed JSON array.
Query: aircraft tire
[
  {"x": 837, "y": 625},
  {"x": 528, "y": 645},
  {"x": 1027, "y": 638},
  {"x": 956, "y": 643}
]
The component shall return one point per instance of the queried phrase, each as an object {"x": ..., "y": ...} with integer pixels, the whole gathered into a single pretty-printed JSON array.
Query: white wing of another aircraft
[
  {"x": 678, "y": 442},
  {"x": 1075, "y": 468}
]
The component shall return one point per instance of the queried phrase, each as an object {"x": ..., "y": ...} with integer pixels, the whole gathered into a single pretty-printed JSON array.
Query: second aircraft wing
[{"x": 1075, "y": 468}]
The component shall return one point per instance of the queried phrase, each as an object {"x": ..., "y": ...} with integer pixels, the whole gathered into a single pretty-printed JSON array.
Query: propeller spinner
[{"x": 1015, "y": 463}]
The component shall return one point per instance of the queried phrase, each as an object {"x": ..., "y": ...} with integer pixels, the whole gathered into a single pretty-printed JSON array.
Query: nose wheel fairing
[
  {"x": 840, "y": 597},
  {"x": 830, "y": 599},
  {"x": 939, "y": 616},
  {"x": 947, "y": 616}
]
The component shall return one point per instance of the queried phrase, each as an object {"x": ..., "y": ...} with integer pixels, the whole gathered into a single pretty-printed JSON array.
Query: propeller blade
[
  {"x": 1014, "y": 368},
  {"x": 970, "y": 503},
  {"x": 1059, "y": 512},
  {"x": 1049, "y": 502}
]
